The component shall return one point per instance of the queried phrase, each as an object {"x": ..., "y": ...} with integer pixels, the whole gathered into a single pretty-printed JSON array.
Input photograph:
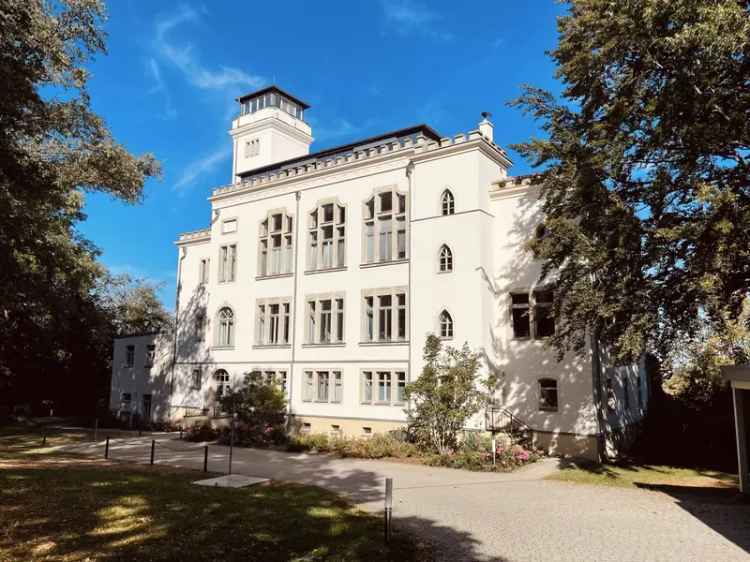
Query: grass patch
[
  {"x": 634, "y": 475},
  {"x": 62, "y": 508}
]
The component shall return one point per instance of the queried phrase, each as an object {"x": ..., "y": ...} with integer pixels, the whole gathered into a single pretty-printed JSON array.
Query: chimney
[{"x": 486, "y": 126}]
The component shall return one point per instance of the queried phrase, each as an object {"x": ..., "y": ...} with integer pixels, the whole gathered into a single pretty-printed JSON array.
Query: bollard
[
  {"x": 44, "y": 439},
  {"x": 231, "y": 444},
  {"x": 96, "y": 430},
  {"x": 106, "y": 448},
  {"x": 139, "y": 432},
  {"x": 153, "y": 446},
  {"x": 180, "y": 432},
  {"x": 205, "y": 459},
  {"x": 388, "y": 508}
]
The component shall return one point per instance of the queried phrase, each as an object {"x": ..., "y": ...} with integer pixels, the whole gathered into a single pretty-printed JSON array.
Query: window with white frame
[
  {"x": 548, "y": 395},
  {"x": 384, "y": 225},
  {"x": 221, "y": 379},
  {"x": 276, "y": 245},
  {"x": 383, "y": 387},
  {"x": 273, "y": 376},
  {"x": 196, "y": 379},
  {"x": 225, "y": 325},
  {"x": 227, "y": 263},
  {"x": 384, "y": 316},
  {"x": 130, "y": 356},
  {"x": 446, "y": 325},
  {"x": 446, "y": 259},
  {"x": 447, "y": 203},
  {"x": 203, "y": 270},
  {"x": 150, "y": 355},
  {"x": 326, "y": 237},
  {"x": 535, "y": 310},
  {"x": 322, "y": 386},
  {"x": 273, "y": 322},
  {"x": 325, "y": 319}
]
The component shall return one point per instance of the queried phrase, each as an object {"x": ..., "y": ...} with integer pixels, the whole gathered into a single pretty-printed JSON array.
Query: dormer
[{"x": 270, "y": 128}]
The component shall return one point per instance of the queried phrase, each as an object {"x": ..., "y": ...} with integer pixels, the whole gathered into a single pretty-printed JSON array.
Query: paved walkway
[{"x": 493, "y": 517}]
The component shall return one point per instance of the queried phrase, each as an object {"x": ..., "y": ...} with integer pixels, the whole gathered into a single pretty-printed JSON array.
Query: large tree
[
  {"x": 646, "y": 171},
  {"x": 53, "y": 149}
]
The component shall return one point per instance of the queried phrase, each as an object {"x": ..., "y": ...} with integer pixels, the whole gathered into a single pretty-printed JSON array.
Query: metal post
[
  {"x": 106, "y": 448},
  {"x": 231, "y": 444},
  {"x": 494, "y": 448},
  {"x": 153, "y": 447},
  {"x": 205, "y": 459},
  {"x": 96, "y": 429},
  {"x": 180, "y": 432},
  {"x": 388, "y": 508},
  {"x": 44, "y": 438}
]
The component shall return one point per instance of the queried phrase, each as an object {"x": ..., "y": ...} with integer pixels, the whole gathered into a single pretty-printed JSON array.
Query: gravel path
[{"x": 477, "y": 516}]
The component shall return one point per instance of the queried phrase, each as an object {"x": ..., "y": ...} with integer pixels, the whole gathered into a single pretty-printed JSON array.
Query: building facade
[{"x": 328, "y": 270}]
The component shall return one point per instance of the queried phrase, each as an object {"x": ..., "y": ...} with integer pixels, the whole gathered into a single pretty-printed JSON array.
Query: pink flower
[{"x": 522, "y": 455}]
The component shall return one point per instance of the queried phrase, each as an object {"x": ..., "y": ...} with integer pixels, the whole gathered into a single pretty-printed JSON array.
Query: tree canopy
[
  {"x": 53, "y": 149},
  {"x": 646, "y": 171}
]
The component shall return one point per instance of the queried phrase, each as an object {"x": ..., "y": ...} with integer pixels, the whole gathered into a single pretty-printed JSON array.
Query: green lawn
[
  {"x": 55, "y": 507},
  {"x": 630, "y": 475}
]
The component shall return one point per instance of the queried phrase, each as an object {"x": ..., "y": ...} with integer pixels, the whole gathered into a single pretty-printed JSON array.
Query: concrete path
[{"x": 493, "y": 517}]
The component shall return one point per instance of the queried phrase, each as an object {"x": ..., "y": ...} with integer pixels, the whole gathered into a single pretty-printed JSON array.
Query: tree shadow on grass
[
  {"x": 724, "y": 510},
  {"x": 121, "y": 512}
]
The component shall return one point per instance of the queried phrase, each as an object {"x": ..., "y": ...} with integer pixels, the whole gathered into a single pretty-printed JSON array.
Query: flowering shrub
[
  {"x": 506, "y": 459},
  {"x": 377, "y": 447}
]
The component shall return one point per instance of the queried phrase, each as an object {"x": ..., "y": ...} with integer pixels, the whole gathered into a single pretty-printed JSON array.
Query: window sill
[
  {"x": 445, "y": 272},
  {"x": 445, "y": 338},
  {"x": 383, "y": 342},
  {"x": 382, "y": 403},
  {"x": 383, "y": 263},
  {"x": 229, "y": 282},
  {"x": 275, "y": 276},
  {"x": 325, "y": 270},
  {"x": 549, "y": 410},
  {"x": 327, "y": 344},
  {"x": 223, "y": 347},
  {"x": 272, "y": 346}
]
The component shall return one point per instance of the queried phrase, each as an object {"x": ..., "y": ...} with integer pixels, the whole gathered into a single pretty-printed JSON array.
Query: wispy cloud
[
  {"x": 409, "y": 17},
  {"x": 160, "y": 88},
  {"x": 184, "y": 57},
  {"x": 203, "y": 166}
]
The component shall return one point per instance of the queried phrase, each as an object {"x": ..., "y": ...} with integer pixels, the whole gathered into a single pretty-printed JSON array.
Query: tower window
[{"x": 252, "y": 148}]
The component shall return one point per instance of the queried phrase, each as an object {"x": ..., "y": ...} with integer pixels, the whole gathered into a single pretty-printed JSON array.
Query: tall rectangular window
[
  {"x": 130, "y": 356},
  {"x": 385, "y": 227},
  {"x": 227, "y": 263},
  {"x": 520, "y": 315},
  {"x": 325, "y": 320},
  {"x": 276, "y": 245},
  {"x": 384, "y": 386},
  {"x": 272, "y": 324},
  {"x": 203, "y": 271},
  {"x": 195, "y": 379},
  {"x": 544, "y": 320}
]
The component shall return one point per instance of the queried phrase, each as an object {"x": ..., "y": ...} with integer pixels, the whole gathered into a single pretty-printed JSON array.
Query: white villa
[{"x": 328, "y": 270}]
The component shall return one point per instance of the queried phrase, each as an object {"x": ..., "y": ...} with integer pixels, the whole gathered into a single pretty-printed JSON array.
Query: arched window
[
  {"x": 225, "y": 336},
  {"x": 446, "y": 258},
  {"x": 448, "y": 203},
  {"x": 446, "y": 325},
  {"x": 222, "y": 382},
  {"x": 548, "y": 395}
]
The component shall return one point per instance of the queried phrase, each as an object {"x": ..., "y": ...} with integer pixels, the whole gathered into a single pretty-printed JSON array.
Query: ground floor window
[
  {"x": 196, "y": 379},
  {"x": 383, "y": 387},
  {"x": 273, "y": 376},
  {"x": 322, "y": 386},
  {"x": 548, "y": 395}
]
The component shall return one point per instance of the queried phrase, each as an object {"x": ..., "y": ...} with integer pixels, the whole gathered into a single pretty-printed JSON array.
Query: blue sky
[{"x": 173, "y": 70}]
